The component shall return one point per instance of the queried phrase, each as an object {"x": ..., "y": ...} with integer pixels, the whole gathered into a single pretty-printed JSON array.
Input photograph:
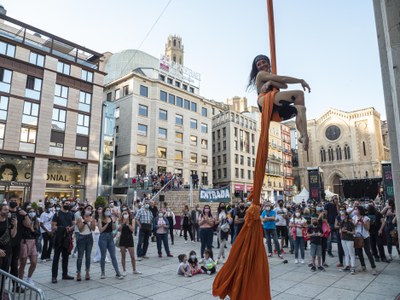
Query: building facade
[
  {"x": 162, "y": 123},
  {"x": 345, "y": 145},
  {"x": 50, "y": 92}
]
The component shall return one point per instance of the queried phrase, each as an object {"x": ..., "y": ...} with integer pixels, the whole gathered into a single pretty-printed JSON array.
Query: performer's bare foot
[{"x": 304, "y": 140}]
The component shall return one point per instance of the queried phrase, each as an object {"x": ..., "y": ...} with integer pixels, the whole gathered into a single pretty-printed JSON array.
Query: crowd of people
[
  {"x": 65, "y": 227},
  {"x": 156, "y": 181}
]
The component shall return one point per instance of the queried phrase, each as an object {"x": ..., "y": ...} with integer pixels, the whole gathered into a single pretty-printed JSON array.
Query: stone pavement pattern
[{"x": 159, "y": 280}]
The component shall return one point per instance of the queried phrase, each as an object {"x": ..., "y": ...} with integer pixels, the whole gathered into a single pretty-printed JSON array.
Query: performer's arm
[{"x": 263, "y": 77}]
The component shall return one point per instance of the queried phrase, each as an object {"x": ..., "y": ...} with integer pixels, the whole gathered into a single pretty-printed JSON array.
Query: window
[
  {"x": 219, "y": 159},
  {"x": 63, "y": 68},
  {"x": 109, "y": 96},
  {"x": 117, "y": 94},
  {"x": 87, "y": 75},
  {"x": 84, "y": 101},
  {"x": 177, "y": 84},
  {"x": 224, "y": 145},
  {"x": 204, "y": 112},
  {"x": 161, "y": 77},
  {"x": 184, "y": 86},
  {"x": 162, "y": 152},
  {"x": 193, "y": 157},
  {"x": 33, "y": 87},
  {"x": 163, "y": 115},
  {"x": 28, "y": 135},
  {"x": 236, "y": 132},
  {"x": 236, "y": 145},
  {"x": 178, "y": 137},
  {"x": 218, "y": 134},
  {"x": 162, "y": 133},
  {"x": 219, "y": 147},
  {"x": 61, "y": 95},
  {"x": 241, "y": 173},
  {"x": 204, "y": 128},
  {"x": 204, "y": 143},
  {"x": 178, "y": 155},
  {"x": 144, "y": 91},
  {"x": 193, "y": 123},
  {"x": 225, "y": 172},
  {"x": 241, "y": 159},
  {"x": 3, "y": 107},
  {"x": 36, "y": 59},
  {"x": 125, "y": 90},
  {"x": 178, "y": 119},
  {"x": 58, "y": 119},
  {"x": 224, "y": 132},
  {"x": 141, "y": 150},
  {"x": 179, "y": 101},
  {"x": 163, "y": 96},
  {"x": 322, "y": 154},
  {"x": 236, "y": 158},
  {"x": 186, "y": 104},
  {"x": 117, "y": 111},
  {"x": 169, "y": 80},
  {"x": 252, "y": 137},
  {"x": 248, "y": 174},
  {"x": 83, "y": 124},
  {"x": 249, "y": 162},
  {"x": 193, "y": 140},
  {"x": 364, "y": 149},
  {"x": 191, "y": 89},
  {"x": 338, "y": 153},
  {"x": 204, "y": 159},
  {"x": 171, "y": 99},
  {"x": 7, "y": 49},
  {"x": 193, "y": 106},
  {"x": 30, "y": 114},
  {"x": 236, "y": 172},
  {"x": 143, "y": 110},
  {"x": 253, "y": 162},
  {"x": 5, "y": 80},
  {"x": 330, "y": 153},
  {"x": 2, "y": 129},
  {"x": 81, "y": 145},
  {"x": 219, "y": 173},
  {"x": 142, "y": 129},
  {"x": 346, "y": 152}
]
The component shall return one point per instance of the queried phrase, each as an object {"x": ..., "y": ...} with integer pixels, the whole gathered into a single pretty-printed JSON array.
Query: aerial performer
[{"x": 245, "y": 274}]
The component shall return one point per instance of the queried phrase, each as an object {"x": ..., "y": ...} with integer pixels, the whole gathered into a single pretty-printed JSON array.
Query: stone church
[{"x": 345, "y": 145}]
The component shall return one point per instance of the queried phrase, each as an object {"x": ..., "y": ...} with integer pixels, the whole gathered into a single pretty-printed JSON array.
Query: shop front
[
  {"x": 65, "y": 180},
  {"x": 15, "y": 176}
]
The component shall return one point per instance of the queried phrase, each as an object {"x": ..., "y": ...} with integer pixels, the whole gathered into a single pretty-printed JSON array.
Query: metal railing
[
  {"x": 11, "y": 285},
  {"x": 163, "y": 188}
]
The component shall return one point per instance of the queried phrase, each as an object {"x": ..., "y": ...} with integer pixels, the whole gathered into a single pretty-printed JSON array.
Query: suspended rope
[{"x": 245, "y": 274}]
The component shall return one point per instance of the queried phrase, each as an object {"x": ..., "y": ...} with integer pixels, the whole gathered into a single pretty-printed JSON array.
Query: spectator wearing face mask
[
  {"x": 62, "y": 225},
  {"x": 169, "y": 214},
  {"x": 239, "y": 219},
  {"x": 376, "y": 220},
  {"x": 28, "y": 246},
  {"x": 206, "y": 223},
  {"x": 331, "y": 211},
  {"x": 45, "y": 229},
  {"x": 281, "y": 225},
  {"x": 106, "y": 226},
  {"x": 341, "y": 216},
  {"x": 144, "y": 220},
  {"x": 84, "y": 242},
  {"x": 298, "y": 224},
  {"x": 126, "y": 241},
  {"x": 161, "y": 226},
  {"x": 268, "y": 217},
  {"x": 388, "y": 226},
  {"x": 8, "y": 230}
]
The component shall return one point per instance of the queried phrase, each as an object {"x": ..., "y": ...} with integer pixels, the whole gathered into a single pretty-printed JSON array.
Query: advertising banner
[{"x": 222, "y": 194}]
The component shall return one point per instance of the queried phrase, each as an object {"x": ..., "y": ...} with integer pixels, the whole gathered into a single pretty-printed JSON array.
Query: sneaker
[
  {"x": 30, "y": 281},
  {"x": 353, "y": 271},
  {"x": 374, "y": 272},
  {"x": 201, "y": 260},
  {"x": 119, "y": 276},
  {"x": 123, "y": 273},
  {"x": 362, "y": 269},
  {"x": 193, "y": 242},
  {"x": 344, "y": 269},
  {"x": 283, "y": 251},
  {"x": 310, "y": 265},
  {"x": 185, "y": 242},
  {"x": 43, "y": 260},
  {"x": 313, "y": 269},
  {"x": 136, "y": 272},
  {"x": 145, "y": 257},
  {"x": 103, "y": 276},
  {"x": 160, "y": 255},
  {"x": 54, "y": 280},
  {"x": 67, "y": 277},
  {"x": 209, "y": 272},
  {"x": 170, "y": 255},
  {"x": 138, "y": 258},
  {"x": 269, "y": 254},
  {"x": 339, "y": 265},
  {"x": 275, "y": 251},
  {"x": 325, "y": 265},
  {"x": 280, "y": 256},
  {"x": 302, "y": 261},
  {"x": 320, "y": 268},
  {"x": 296, "y": 261}
]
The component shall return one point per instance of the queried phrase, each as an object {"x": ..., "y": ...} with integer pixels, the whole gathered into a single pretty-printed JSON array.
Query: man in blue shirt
[{"x": 268, "y": 217}]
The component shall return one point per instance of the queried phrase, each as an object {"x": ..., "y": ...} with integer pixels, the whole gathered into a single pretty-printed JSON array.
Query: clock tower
[{"x": 174, "y": 49}]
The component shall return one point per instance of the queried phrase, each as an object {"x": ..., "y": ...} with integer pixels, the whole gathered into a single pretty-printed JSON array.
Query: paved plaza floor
[{"x": 159, "y": 280}]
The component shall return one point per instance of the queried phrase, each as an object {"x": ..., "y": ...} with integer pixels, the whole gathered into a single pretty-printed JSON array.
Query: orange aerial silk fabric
[{"x": 245, "y": 274}]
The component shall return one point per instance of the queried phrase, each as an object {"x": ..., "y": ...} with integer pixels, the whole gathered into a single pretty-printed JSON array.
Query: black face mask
[
  {"x": 66, "y": 207},
  {"x": 315, "y": 223},
  {"x": 13, "y": 204}
]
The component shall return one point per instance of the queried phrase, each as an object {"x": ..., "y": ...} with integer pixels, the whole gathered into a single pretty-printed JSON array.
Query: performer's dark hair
[{"x": 254, "y": 72}]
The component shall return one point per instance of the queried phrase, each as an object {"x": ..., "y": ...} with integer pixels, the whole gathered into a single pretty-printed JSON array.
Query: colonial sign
[{"x": 215, "y": 195}]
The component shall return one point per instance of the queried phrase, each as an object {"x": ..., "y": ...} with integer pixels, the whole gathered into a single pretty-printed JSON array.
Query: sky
[{"x": 330, "y": 44}]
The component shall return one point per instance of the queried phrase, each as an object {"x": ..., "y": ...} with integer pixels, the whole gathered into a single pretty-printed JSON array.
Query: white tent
[
  {"x": 329, "y": 194},
  {"x": 304, "y": 195}
]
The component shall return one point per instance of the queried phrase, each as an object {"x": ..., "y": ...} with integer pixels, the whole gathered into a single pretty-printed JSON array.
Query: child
[
  {"x": 209, "y": 265},
  {"x": 184, "y": 267},
  {"x": 315, "y": 233},
  {"x": 194, "y": 264}
]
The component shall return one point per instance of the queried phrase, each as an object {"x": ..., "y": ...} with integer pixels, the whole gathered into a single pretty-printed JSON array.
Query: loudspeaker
[{"x": 161, "y": 198}]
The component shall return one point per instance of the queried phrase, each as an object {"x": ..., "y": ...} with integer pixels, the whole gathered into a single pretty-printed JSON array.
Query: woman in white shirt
[
  {"x": 362, "y": 223},
  {"x": 297, "y": 224}
]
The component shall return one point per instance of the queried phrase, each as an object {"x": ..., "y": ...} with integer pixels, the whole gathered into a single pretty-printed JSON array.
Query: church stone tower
[{"x": 174, "y": 49}]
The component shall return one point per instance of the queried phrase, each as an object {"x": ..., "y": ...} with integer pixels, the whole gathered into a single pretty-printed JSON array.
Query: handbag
[
  {"x": 326, "y": 229},
  {"x": 117, "y": 240},
  {"x": 395, "y": 237},
  {"x": 358, "y": 242},
  {"x": 225, "y": 227}
]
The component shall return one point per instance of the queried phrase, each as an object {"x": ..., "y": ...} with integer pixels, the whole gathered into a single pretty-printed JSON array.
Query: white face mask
[
  {"x": 107, "y": 213},
  {"x": 160, "y": 215},
  {"x": 193, "y": 257},
  {"x": 126, "y": 216},
  {"x": 297, "y": 214}
]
